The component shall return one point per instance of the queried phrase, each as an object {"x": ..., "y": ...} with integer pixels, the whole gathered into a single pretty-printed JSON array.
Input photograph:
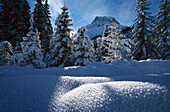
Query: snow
[
  {"x": 123, "y": 86},
  {"x": 111, "y": 96},
  {"x": 96, "y": 28}
]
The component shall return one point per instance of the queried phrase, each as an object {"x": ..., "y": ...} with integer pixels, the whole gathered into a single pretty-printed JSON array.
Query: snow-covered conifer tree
[
  {"x": 60, "y": 46},
  {"x": 107, "y": 45},
  {"x": 110, "y": 44},
  {"x": 48, "y": 31},
  {"x": 31, "y": 51},
  {"x": 42, "y": 22},
  {"x": 162, "y": 28},
  {"x": 83, "y": 51},
  {"x": 143, "y": 47},
  {"x": 98, "y": 51},
  {"x": 115, "y": 46},
  {"x": 5, "y": 52}
]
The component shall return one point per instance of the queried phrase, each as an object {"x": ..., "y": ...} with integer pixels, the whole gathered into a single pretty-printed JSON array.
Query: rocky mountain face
[{"x": 96, "y": 28}]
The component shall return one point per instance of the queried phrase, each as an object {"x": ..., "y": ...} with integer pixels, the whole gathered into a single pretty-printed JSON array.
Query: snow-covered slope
[
  {"x": 97, "y": 26},
  {"x": 125, "y": 86}
]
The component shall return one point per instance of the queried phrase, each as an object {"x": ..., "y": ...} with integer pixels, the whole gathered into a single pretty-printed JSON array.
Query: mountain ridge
[{"x": 96, "y": 27}]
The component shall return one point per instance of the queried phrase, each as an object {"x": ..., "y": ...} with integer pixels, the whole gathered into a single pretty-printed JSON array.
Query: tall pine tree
[
  {"x": 4, "y": 20},
  {"x": 15, "y": 21},
  {"x": 42, "y": 22},
  {"x": 48, "y": 27},
  {"x": 143, "y": 47},
  {"x": 60, "y": 46},
  {"x": 162, "y": 28}
]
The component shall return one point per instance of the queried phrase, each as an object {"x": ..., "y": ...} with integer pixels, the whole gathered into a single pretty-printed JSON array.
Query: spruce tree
[
  {"x": 48, "y": 27},
  {"x": 83, "y": 51},
  {"x": 98, "y": 51},
  {"x": 19, "y": 26},
  {"x": 31, "y": 51},
  {"x": 15, "y": 21},
  {"x": 42, "y": 22},
  {"x": 4, "y": 20},
  {"x": 107, "y": 46},
  {"x": 162, "y": 29},
  {"x": 114, "y": 46},
  {"x": 143, "y": 47},
  {"x": 60, "y": 46}
]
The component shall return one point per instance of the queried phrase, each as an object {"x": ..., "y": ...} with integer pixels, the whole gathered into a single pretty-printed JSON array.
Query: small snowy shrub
[
  {"x": 31, "y": 51},
  {"x": 5, "y": 52}
]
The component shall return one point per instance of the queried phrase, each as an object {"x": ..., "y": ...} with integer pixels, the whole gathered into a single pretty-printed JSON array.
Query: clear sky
[{"x": 84, "y": 11}]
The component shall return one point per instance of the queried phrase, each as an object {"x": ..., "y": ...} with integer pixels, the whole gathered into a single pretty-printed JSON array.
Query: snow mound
[
  {"x": 68, "y": 83},
  {"x": 102, "y": 94}
]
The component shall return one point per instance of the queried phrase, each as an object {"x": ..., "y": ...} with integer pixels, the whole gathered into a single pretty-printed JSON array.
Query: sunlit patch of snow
[
  {"x": 156, "y": 75},
  {"x": 102, "y": 94},
  {"x": 166, "y": 73},
  {"x": 66, "y": 68},
  {"x": 86, "y": 79}
]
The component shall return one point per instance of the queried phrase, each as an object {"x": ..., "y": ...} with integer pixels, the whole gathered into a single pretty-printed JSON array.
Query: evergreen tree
[
  {"x": 48, "y": 27},
  {"x": 42, "y": 22},
  {"x": 143, "y": 48},
  {"x": 31, "y": 51},
  {"x": 19, "y": 26},
  {"x": 110, "y": 44},
  {"x": 115, "y": 46},
  {"x": 83, "y": 51},
  {"x": 15, "y": 21},
  {"x": 101, "y": 49},
  {"x": 98, "y": 51},
  {"x": 5, "y": 52},
  {"x": 162, "y": 29},
  {"x": 4, "y": 20},
  {"x": 107, "y": 46},
  {"x": 60, "y": 46}
]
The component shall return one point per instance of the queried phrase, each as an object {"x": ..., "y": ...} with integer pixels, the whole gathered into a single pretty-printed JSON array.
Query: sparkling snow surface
[
  {"x": 99, "y": 95},
  {"x": 125, "y": 86}
]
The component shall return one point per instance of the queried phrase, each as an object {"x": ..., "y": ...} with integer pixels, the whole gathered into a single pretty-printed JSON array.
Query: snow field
[
  {"x": 125, "y": 86},
  {"x": 103, "y": 94}
]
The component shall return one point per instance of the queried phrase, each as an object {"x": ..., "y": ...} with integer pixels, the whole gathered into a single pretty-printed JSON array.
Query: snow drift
[
  {"x": 121, "y": 96},
  {"x": 128, "y": 86}
]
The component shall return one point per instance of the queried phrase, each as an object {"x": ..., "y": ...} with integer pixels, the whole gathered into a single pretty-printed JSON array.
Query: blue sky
[{"x": 84, "y": 11}]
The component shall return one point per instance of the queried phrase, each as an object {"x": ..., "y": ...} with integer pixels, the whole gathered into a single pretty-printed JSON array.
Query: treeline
[{"x": 28, "y": 38}]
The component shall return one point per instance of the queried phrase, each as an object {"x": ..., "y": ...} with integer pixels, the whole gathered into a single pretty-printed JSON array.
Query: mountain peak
[
  {"x": 96, "y": 28},
  {"x": 100, "y": 21}
]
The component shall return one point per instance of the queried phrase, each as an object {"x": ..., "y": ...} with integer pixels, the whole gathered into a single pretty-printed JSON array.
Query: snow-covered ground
[{"x": 125, "y": 86}]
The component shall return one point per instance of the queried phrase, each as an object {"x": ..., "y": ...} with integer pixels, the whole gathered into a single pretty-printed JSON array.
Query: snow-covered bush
[
  {"x": 31, "y": 51},
  {"x": 5, "y": 52},
  {"x": 83, "y": 50},
  {"x": 20, "y": 59}
]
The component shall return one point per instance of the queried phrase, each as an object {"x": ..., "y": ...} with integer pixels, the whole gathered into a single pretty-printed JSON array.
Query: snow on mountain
[
  {"x": 101, "y": 21},
  {"x": 128, "y": 86},
  {"x": 96, "y": 28}
]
